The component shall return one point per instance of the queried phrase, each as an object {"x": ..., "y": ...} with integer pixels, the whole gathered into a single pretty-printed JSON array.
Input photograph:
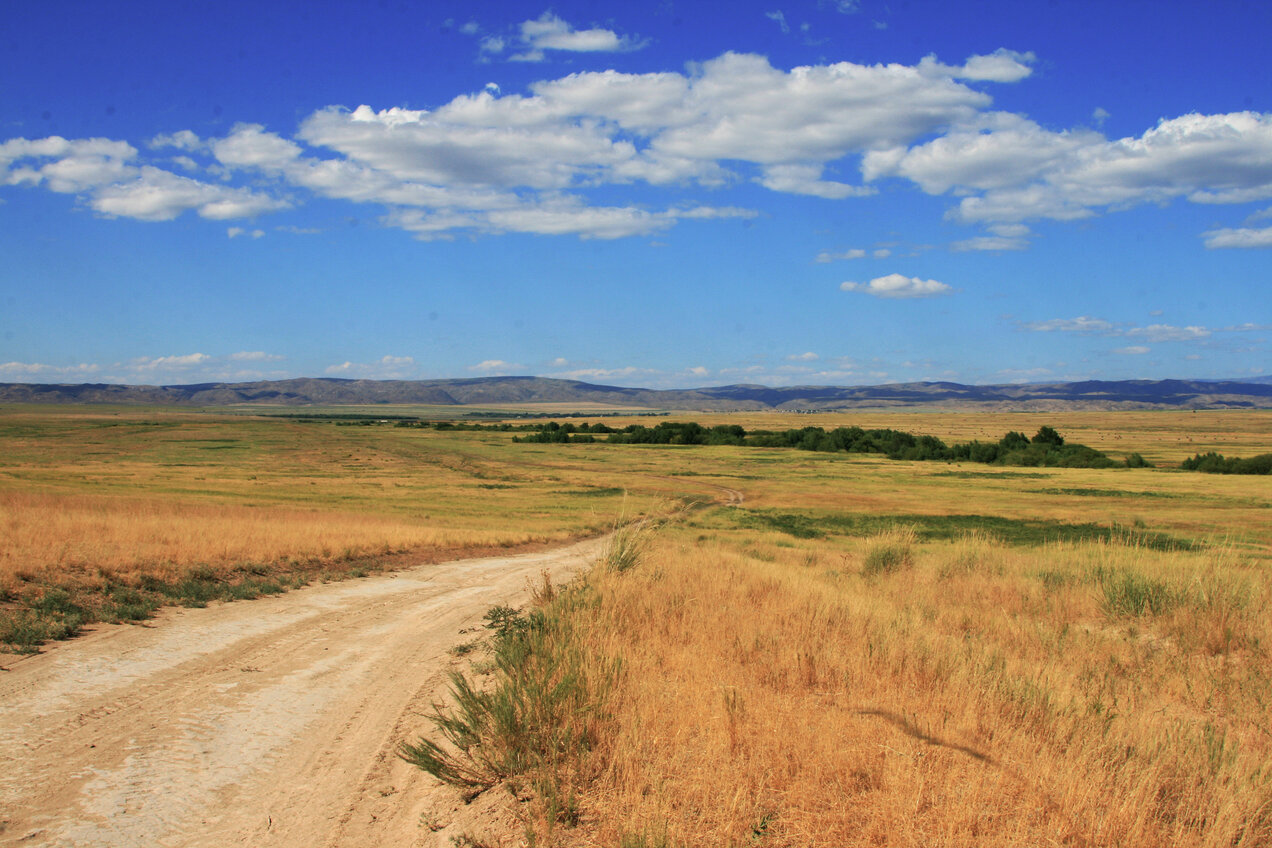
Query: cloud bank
[{"x": 540, "y": 162}]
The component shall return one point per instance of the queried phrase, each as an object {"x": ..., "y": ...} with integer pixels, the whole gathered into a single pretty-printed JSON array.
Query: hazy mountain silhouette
[{"x": 495, "y": 391}]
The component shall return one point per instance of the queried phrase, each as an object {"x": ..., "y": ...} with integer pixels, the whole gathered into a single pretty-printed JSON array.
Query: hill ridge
[{"x": 327, "y": 391}]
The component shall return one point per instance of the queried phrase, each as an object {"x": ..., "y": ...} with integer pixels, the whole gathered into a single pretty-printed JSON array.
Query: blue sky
[{"x": 667, "y": 194}]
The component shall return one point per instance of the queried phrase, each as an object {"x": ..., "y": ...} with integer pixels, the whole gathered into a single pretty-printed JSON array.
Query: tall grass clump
[
  {"x": 627, "y": 544},
  {"x": 892, "y": 550},
  {"x": 1130, "y": 594}
]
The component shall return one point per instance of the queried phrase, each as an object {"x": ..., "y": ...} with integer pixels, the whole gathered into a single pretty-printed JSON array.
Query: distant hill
[{"x": 499, "y": 391}]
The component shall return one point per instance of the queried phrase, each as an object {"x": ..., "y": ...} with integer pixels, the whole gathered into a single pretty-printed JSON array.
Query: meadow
[{"x": 862, "y": 651}]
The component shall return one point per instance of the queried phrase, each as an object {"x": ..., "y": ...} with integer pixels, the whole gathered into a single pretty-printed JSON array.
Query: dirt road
[{"x": 267, "y": 723}]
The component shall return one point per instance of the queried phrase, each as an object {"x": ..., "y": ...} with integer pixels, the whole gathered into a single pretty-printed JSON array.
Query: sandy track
[{"x": 272, "y": 723}]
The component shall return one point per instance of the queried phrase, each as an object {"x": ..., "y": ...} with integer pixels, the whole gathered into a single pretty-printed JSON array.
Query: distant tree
[
  {"x": 1014, "y": 441},
  {"x": 1048, "y": 436}
]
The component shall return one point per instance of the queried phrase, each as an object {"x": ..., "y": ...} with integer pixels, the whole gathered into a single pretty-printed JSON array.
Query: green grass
[{"x": 1012, "y": 531}]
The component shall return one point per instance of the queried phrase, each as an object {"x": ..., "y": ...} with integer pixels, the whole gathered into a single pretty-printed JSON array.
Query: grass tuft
[{"x": 888, "y": 552}]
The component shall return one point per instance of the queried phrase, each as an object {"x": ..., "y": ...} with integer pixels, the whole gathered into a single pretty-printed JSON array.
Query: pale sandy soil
[{"x": 267, "y": 723}]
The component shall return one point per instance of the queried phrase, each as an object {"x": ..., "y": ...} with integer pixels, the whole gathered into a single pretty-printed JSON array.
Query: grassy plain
[
  {"x": 868, "y": 652},
  {"x": 106, "y": 513},
  {"x": 862, "y": 652}
]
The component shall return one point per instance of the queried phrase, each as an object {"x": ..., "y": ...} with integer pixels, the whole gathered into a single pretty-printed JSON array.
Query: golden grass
[
  {"x": 774, "y": 695},
  {"x": 98, "y": 534}
]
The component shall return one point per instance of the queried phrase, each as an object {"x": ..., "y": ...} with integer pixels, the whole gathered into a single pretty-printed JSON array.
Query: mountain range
[{"x": 1254, "y": 393}]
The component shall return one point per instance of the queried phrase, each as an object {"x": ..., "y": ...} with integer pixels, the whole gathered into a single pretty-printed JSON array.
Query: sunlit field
[{"x": 862, "y": 651}]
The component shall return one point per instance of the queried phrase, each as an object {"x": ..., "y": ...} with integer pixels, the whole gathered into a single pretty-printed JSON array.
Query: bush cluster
[
  {"x": 1215, "y": 463},
  {"x": 1046, "y": 448}
]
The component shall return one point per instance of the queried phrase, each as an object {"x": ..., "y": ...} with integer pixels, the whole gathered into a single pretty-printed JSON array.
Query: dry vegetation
[
  {"x": 965, "y": 693},
  {"x": 110, "y": 513},
  {"x": 879, "y": 653},
  {"x": 864, "y": 652}
]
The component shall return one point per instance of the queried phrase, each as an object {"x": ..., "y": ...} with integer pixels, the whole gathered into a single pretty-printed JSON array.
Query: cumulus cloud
[
  {"x": 803, "y": 357},
  {"x": 235, "y": 232},
  {"x": 1010, "y": 169},
  {"x": 1000, "y": 66},
  {"x": 1133, "y": 350},
  {"x": 489, "y": 162},
  {"x": 103, "y": 173},
  {"x": 549, "y": 32},
  {"x": 182, "y": 140},
  {"x": 1240, "y": 237},
  {"x": 898, "y": 286}
]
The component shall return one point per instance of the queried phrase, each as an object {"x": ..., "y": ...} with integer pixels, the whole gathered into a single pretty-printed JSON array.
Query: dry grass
[
  {"x": 118, "y": 536},
  {"x": 984, "y": 696}
]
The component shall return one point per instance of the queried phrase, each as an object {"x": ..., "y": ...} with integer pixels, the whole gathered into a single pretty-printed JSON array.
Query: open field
[{"x": 862, "y": 651}]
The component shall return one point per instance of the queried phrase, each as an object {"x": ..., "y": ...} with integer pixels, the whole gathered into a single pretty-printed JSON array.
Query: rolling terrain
[{"x": 503, "y": 391}]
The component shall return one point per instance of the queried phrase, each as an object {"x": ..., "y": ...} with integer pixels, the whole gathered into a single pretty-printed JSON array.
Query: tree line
[{"x": 1046, "y": 448}]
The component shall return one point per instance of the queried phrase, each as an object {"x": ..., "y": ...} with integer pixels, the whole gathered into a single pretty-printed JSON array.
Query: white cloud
[
  {"x": 1081, "y": 324},
  {"x": 496, "y": 367},
  {"x": 102, "y": 172},
  {"x": 1167, "y": 333},
  {"x": 1098, "y": 326},
  {"x": 1000, "y": 66},
  {"x": 881, "y": 253},
  {"x": 1023, "y": 375},
  {"x": 1011, "y": 169},
  {"x": 803, "y": 357},
  {"x": 385, "y": 368},
  {"x": 806, "y": 179},
  {"x": 1242, "y": 237},
  {"x": 628, "y": 373},
  {"x": 697, "y": 371},
  {"x": 898, "y": 286},
  {"x": 989, "y": 243},
  {"x": 157, "y": 195},
  {"x": 549, "y": 32},
  {"x": 22, "y": 371},
  {"x": 779, "y": 18},
  {"x": 182, "y": 140},
  {"x": 255, "y": 356},
  {"x": 235, "y": 232},
  {"x": 249, "y": 145},
  {"x": 490, "y": 163},
  {"x": 1133, "y": 350},
  {"x": 852, "y": 253}
]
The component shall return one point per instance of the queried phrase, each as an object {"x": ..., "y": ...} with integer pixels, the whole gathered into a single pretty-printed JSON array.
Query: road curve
[{"x": 267, "y": 723}]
